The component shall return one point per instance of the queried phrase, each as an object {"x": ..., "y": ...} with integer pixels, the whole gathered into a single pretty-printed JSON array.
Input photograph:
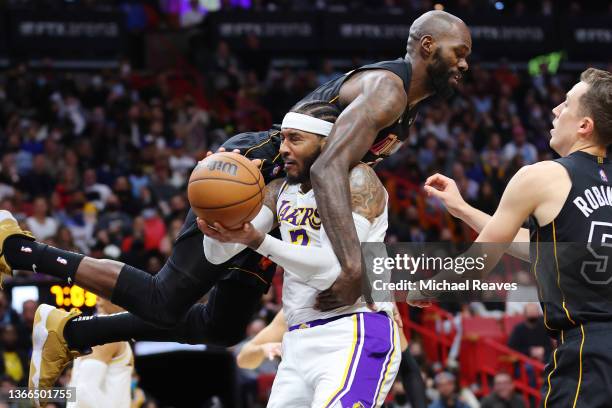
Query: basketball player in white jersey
[
  {"x": 103, "y": 378},
  {"x": 347, "y": 357}
]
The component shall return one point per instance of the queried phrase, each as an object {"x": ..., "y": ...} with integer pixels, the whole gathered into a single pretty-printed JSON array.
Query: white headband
[{"x": 299, "y": 121}]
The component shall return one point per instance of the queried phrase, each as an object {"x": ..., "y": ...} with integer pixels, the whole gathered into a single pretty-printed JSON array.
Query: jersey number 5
[{"x": 600, "y": 246}]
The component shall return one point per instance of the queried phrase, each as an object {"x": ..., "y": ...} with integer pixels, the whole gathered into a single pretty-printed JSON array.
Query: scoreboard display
[
  {"x": 64, "y": 296},
  {"x": 72, "y": 297}
]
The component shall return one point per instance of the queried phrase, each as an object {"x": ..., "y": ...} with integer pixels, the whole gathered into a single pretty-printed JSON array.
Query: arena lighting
[{"x": 499, "y": 5}]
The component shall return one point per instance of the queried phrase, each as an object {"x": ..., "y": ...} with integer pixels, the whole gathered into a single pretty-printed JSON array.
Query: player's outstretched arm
[
  {"x": 445, "y": 189},
  {"x": 375, "y": 100},
  {"x": 514, "y": 208},
  {"x": 266, "y": 344}
]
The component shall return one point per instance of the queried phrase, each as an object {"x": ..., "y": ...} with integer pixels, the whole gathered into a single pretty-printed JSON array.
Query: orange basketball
[{"x": 226, "y": 188}]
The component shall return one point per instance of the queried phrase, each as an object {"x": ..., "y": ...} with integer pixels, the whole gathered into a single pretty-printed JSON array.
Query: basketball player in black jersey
[
  {"x": 569, "y": 200},
  {"x": 378, "y": 103}
]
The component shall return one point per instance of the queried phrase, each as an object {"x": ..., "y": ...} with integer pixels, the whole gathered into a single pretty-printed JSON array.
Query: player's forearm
[
  {"x": 316, "y": 266},
  {"x": 331, "y": 185},
  {"x": 313, "y": 265},
  {"x": 352, "y": 136},
  {"x": 251, "y": 356},
  {"x": 477, "y": 220}
]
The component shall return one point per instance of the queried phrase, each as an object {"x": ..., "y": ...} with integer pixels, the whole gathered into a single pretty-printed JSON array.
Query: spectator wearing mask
[{"x": 530, "y": 337}]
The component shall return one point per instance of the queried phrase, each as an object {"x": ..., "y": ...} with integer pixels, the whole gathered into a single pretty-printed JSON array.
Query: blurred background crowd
[{"x": 97, "y": 160}]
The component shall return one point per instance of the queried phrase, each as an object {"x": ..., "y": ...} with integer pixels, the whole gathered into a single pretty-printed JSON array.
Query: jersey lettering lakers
[{"x": 300, "y": 224}]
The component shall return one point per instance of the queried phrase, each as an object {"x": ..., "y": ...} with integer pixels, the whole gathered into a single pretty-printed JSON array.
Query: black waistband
[{"x": 576, "y": 333}]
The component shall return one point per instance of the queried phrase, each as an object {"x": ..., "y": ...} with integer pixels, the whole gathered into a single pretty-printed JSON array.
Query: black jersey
[
  {"x": 260, "y": 145},
  {"x": 390, "y": 139},
  {"x": 571, "y": 257}
]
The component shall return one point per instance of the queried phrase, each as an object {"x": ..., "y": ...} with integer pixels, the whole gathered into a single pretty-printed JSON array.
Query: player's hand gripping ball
[{"x": 226, "y": 188}]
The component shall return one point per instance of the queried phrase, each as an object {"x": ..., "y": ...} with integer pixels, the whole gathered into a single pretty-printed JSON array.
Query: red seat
[{"x": 476, "y": 327}]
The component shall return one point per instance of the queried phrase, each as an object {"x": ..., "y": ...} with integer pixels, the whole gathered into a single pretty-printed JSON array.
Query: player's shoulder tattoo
[
  {"x": 271, "y": 193},
  {"x": 367, "y": 192}
]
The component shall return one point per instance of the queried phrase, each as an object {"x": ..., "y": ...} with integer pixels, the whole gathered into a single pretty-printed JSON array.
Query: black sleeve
[{"x": 263, "y": 146}]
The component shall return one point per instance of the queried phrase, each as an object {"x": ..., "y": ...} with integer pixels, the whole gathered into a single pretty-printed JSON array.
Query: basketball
[{"x": 226, "y": 188}]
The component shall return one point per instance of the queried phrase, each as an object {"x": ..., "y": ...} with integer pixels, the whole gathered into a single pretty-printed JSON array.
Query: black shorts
[
  {"x": 580, "y": 371},
  {"x": 248, "y": 266}
]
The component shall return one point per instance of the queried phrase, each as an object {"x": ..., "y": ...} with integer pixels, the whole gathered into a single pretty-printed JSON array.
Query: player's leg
[
  {"x": 221, "y": 321},
  {"x": 290, "y": 388},
  {"x": 579, "y": 371},
  {"x": 161, "y": 299},
  {"x": 410, "y": 375},
  {"x": 366, "y": 347},
  {"x": 412, "y": 380}
]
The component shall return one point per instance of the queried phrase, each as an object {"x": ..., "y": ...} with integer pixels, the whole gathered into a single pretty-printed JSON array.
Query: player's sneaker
[
  {"x": 50, "y": 353},
  {"x": 9, "y": 228}
]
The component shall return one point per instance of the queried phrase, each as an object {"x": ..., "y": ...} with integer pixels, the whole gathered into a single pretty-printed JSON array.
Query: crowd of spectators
[{"x": 97, "y": 162}]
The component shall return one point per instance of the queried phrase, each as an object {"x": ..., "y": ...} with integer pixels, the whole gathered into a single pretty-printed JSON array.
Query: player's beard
[
  {"x": 439, "y": 76},
  {"x": 304, "y": 175}
]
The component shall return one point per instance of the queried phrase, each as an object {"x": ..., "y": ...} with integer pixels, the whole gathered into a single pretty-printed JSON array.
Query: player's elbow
[
  {"x": 212, "y": 254},
  {"x": 216, "y": 260}
]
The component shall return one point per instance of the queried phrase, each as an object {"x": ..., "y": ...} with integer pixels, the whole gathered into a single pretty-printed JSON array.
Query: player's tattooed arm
[
  {"x": 367, "y": 192},
  {"x": 271, "y": 194},
  {"x": 374, "y": 100}
]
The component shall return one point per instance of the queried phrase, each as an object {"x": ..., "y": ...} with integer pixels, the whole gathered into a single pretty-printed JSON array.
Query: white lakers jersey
[
  {"x": 300, "y": 224},
  {"x": 117, "y": 382}
]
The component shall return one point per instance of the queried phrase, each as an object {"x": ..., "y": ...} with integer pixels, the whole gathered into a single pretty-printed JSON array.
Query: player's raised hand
[
  {"x": 272, "y": 350},
  {"x": 256, "y": 162},
  {"x": 247, "y": 235},
  {"x": 445, "y": 189}
]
